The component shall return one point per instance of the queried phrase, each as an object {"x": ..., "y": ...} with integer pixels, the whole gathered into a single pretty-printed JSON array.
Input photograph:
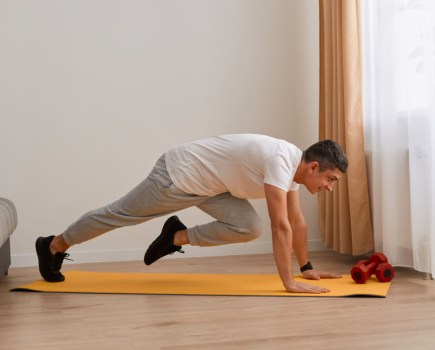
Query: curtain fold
[
  {"x": 344, "y": 214},
  {"x": 399, "y": 66}
]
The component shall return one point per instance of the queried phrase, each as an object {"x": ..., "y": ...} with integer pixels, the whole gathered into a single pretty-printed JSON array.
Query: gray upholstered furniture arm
[{"x": 8, "y": 223}]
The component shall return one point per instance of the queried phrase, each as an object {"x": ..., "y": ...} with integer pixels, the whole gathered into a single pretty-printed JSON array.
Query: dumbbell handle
[{"x": 371, "y": 266}]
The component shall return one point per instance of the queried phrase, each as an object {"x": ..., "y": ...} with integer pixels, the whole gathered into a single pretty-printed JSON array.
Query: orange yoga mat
[{"x": 199, "y": 284}]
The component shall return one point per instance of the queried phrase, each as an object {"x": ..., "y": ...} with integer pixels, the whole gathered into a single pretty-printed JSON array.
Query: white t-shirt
[{"x": 240, "y": 164}]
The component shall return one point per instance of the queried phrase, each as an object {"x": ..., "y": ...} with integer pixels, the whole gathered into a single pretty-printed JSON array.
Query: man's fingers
[
  {"x": 318, "y": 290},
  {"x": 329, "y": 275},
  {"x": 306, "y": 288},
  {"x": 311, "y": 275},
  {"x": 316, "y": 275},
  {"x": 323, "y": 274}
]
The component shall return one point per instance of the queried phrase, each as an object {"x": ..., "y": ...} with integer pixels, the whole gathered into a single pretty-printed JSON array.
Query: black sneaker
[
  {"x": 164, "y": 243},
  {"x": 49, "y": 264}
]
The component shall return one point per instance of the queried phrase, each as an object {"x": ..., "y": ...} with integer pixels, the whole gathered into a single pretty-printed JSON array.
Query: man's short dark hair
[{"x": 328, "y": 154}]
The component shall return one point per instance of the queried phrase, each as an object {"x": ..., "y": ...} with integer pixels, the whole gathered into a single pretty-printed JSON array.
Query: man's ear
[{"x": 312, "y": 166}]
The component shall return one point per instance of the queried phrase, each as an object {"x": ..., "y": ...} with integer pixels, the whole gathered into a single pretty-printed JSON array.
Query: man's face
[{"x": 317, "y": 181}]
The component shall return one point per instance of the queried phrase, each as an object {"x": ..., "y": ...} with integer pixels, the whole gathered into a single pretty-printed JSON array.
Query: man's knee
[{"x": 251, "y": 229}]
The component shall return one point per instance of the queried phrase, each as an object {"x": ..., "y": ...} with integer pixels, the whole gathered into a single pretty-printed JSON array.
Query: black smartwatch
[{"x": 306, "y": 267}]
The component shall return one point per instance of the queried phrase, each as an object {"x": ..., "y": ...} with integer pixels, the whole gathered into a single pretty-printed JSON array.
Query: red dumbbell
[{"x": 377, "y": 264}]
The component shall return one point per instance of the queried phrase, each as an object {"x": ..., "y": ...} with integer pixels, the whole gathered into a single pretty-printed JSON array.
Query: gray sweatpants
[{"x": 236, "y": 219}]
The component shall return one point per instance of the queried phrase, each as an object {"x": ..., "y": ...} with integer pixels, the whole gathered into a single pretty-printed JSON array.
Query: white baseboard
[{"x": 22, "y": 260}]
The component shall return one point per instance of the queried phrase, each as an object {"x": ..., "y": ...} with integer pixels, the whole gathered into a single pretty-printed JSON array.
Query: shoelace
[
  {"x": 62, "y": 256},
  {"x": 66, "y": 257},
  {"x": 179, "y": 250},
  {"x": 58, "y": 260}
]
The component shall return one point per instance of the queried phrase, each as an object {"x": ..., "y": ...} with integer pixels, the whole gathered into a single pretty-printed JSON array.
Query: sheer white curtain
[{"x": 399, "y": 65}]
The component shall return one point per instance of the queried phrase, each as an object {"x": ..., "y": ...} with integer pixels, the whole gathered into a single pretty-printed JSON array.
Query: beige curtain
[{"x": 344, "y": 214}]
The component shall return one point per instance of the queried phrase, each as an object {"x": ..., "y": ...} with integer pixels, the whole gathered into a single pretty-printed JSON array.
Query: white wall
[{"x": 93, "y": 91}]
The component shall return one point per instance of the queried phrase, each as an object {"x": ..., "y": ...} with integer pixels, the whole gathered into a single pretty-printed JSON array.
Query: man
[{"x": 218, "y": 175}]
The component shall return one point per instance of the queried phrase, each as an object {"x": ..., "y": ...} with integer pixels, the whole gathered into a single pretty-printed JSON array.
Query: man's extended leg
[{"x": 155, "y": 196}]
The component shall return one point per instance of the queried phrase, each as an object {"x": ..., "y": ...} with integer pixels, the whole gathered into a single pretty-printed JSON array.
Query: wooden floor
[{"x": 403, "y": 320}]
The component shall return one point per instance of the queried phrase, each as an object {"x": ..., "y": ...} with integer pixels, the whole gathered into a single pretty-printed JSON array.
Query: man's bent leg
[{"x": 237, "y": 221}]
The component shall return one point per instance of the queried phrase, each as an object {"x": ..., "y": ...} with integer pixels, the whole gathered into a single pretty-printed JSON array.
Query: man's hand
[
  {"x": 317, "y": 275},
  {"x": 299, "y": 287}
]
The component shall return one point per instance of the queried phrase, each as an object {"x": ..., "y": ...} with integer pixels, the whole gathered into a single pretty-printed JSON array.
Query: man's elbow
[
  {"x": 281, "y": 228},
  {"x": 298, "y": 221}
]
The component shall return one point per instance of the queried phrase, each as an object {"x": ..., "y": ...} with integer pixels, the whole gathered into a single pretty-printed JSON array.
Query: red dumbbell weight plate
[{"x": 384, "y": 272}]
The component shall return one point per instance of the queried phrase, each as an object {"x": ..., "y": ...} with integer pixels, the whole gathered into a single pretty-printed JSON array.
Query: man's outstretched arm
[
  {"x": 299, "y": 229},
  {"x": 282, "y": 237}
]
